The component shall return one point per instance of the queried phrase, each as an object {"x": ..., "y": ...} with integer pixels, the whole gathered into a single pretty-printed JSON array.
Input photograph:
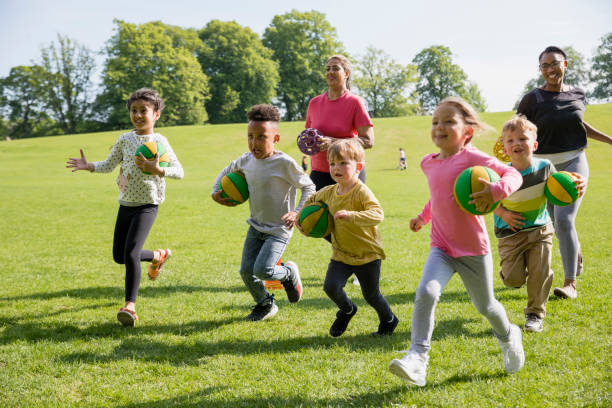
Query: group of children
[{"x": 459, "y": 241}]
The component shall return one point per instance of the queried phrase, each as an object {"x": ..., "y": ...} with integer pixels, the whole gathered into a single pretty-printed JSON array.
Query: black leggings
[
  {"x": 368, "y": 275},
  {"x": 131, "y": 230}
]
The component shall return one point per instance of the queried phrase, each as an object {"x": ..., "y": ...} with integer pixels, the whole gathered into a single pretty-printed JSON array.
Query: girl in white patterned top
[{"x": 141, "y": 189}]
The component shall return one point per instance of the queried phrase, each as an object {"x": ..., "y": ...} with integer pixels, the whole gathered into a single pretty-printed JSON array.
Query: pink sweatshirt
[
  {"x": 339, "y": 118},
  {"x": 452, "y": 230}
]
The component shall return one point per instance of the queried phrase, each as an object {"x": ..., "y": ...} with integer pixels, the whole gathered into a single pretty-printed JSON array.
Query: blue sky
[{"x": 495, "y": 42}]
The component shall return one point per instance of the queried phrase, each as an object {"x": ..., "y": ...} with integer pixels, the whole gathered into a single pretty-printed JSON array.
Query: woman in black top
[{"x": 557, "y": 110}]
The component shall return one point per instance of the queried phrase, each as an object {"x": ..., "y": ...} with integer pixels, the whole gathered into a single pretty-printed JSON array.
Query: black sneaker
[
  {"x": 263, "y": 311},
  {"x": 293, "y": 285},
  {"x": 386, "y": 328},
  {"x": 341, "y": 323}
]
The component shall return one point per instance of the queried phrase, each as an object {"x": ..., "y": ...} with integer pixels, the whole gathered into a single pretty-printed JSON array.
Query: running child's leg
[
  {"x": 335, "y": 280},
  {"x": 141, "y": 222},
  {"x": 266, "y": 264},
  {"x": 477, "y": 275},
  {"x": 437, "y": 272},
  {"x": 252, "y": 245},
  {"x": 369, "y": 278}
]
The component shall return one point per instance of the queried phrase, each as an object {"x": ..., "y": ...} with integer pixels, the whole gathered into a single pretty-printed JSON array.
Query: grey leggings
[
  {"x": 476, "y": 272},
  {"x": 564, "y": 219}
]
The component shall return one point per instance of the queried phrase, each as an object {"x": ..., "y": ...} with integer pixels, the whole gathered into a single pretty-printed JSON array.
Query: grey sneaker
[
  {"x": 514, "y": 356},
  {"x": 533, "y": 323},
  {"x": 566, "y": 292},
  {"x": 412, "y": 368},
  {"x": 293, "y": 285},
  {"x": 263, "y": 311}
]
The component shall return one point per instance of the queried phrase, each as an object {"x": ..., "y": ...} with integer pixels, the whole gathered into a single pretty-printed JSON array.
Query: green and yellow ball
[
  {"x": 467, "y": 183},
  {"x": 234, "y": 186},
  {"x": 149, "y": 150},
  {"x": 560, "y": 189},
  {"x": 315, "y": 220}
]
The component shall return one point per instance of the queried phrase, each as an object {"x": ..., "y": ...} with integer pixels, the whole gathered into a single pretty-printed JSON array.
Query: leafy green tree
[
  {"x": 22, "y": 103},
  {"x": 384, "y": 84},
  {"x": 575, "y": 75},
  {"x": 601, "y": 69},
  {"x": 241, "y": 70},
  {"x": 156, "y": 56},
  {"x": 439, "y": 78},
  {"x": 302, "y": 42},
  {"x": 66, "y": 85}
]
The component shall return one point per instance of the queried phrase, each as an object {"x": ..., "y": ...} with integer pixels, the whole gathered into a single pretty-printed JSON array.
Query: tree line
[{"x": 213, "y": 75}]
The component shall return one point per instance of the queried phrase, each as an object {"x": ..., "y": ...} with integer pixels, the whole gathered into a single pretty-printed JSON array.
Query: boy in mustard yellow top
[{"x": 356, "y": 244}]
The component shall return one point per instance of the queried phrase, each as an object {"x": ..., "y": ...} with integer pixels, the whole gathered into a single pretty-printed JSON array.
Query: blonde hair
[
  {"x": 468, "y": 113},
  {"x": 522, "y": 124},
  {"x": 346, "y": 149},
  {"x": 346, "y": 65}
]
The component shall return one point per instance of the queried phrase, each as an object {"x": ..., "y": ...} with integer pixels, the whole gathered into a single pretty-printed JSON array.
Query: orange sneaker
[{"x": 156, "y": 266}]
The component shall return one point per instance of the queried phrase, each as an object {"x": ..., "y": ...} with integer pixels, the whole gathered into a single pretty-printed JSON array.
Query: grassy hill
[{"x": 60, "y": 344}]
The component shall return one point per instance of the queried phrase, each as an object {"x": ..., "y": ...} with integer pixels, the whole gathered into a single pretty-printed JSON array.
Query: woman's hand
[
  {"x": 79, "y": 163},
  {"x": 223, "y": 201},
  {"x": 324, "y": 142}
]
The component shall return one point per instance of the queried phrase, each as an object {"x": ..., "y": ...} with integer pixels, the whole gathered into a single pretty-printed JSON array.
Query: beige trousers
[{"x": 526, "y": 257}]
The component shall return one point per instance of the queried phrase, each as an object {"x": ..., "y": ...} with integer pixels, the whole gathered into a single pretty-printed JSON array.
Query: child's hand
[
  {"x": 79, "y": 163},
  {"x": 341, "y": 215},
  {"x": 223, "y": 201},
  {"x": 483, "y": 199},
  {"x": 416, "y": 224},
  {"x": 514, "y": 220},
  {"x": 299, "y": 228},
  {"x": 290, "y": 219},
  {"x": 150, "y": 166},
  {"x": 580, "y": 183}
]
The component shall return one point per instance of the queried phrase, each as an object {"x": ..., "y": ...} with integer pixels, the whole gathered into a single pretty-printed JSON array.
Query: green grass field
[{"x": 60, "y": 343}]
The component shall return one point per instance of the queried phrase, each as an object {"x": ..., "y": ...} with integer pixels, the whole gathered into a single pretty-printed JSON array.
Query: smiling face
[
  {"x": 336, "y": 74},
  {"x": 519, "y": 145},
  {"x": 262, "y": 137},
  {"x": 143, "y": 116},
  {"x": 552, "y": 67},
  {"x": 449, "y": 131}
]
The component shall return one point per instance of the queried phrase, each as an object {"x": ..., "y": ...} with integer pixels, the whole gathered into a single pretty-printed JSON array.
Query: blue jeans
[{"x": 260, "y": 255}]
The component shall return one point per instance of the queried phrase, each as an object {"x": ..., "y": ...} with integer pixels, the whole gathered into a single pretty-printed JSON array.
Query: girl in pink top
[
  {"x": 459, "y": 241},
  {"x": 337, "y": 114}
]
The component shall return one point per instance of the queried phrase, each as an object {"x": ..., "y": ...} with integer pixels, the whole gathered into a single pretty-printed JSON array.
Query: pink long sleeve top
[{"x": 452, "y": 230}]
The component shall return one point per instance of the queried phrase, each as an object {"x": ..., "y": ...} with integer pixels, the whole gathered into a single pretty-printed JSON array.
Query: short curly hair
[
  {"x": 263, "y": 113},
  {"x": 551, "y": 49},
  {"x": 148, "y": 95}
]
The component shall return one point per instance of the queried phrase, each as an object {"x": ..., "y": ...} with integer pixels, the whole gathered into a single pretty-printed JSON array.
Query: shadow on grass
[
  {"x": 112, "y": 292},
  {"x": 203, "y": 398}
]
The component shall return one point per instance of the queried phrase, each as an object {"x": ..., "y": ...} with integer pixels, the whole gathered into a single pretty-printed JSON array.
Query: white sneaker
[
  {"x": 514, "y": 356},
  {"x": 412, "y": 368}
]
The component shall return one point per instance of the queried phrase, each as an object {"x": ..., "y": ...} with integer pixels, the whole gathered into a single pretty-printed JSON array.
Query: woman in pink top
[
  {"x": 459, "y": 241},
  {"x": 337, "y": 114}
]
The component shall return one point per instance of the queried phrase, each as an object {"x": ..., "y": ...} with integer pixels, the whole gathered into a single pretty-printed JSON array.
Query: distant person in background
[
  {"x": 337, "y": 114},
  {"x": 402, "y": 161},
  {"x": 304, "y": 164},
  {"x": 557, "y": 109}
]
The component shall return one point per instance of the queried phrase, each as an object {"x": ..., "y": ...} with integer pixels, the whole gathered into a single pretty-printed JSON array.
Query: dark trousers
[
  {"x": 369, "y": 275},
  {"x": 131, "y": 230}
]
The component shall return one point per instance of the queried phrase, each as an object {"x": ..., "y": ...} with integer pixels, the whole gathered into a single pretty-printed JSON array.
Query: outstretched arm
[
  {"x": 596, "y": 134},
  {"x": 79, "y": 163}
]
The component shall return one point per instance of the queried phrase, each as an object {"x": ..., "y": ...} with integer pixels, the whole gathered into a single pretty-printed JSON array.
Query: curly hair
[
  {"x": 263, "y": 113},
  {"x": 148, "y": 95}
]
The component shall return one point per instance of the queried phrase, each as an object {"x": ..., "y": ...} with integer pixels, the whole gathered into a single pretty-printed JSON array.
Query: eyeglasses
[{"x": 555, "y": 64}]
